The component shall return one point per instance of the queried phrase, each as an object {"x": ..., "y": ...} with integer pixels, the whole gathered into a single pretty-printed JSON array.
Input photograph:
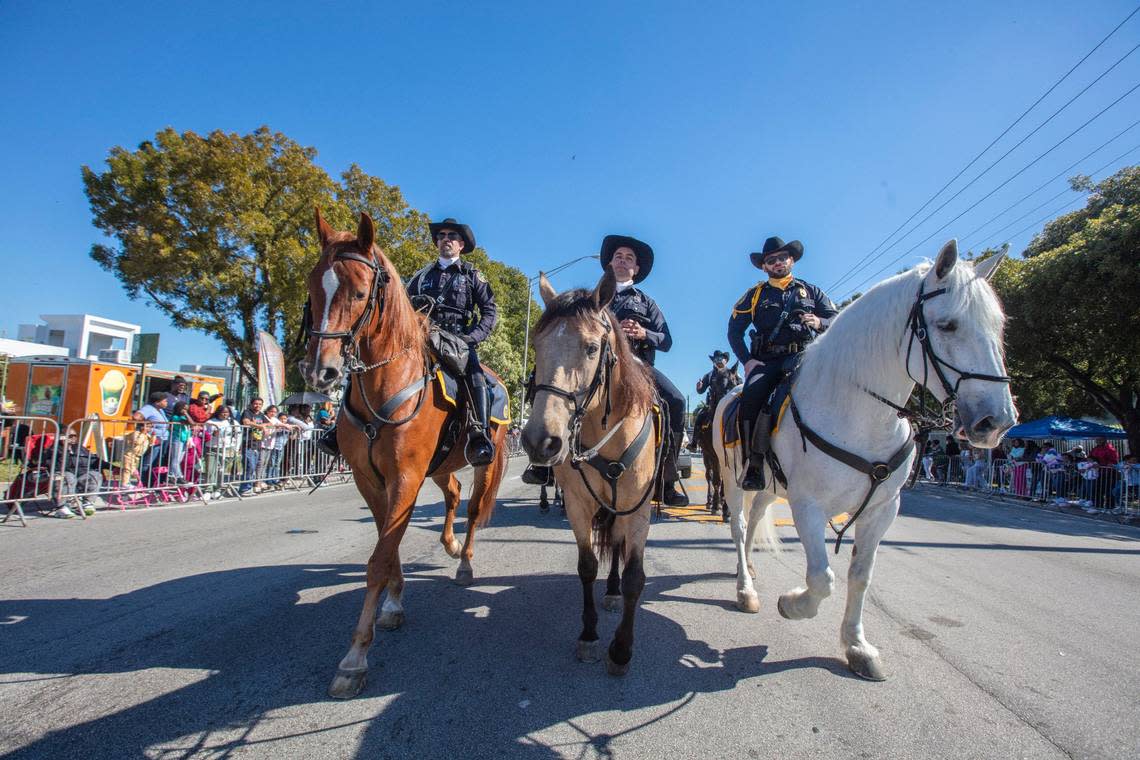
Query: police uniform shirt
[
  {"x": 762, "y": 307},
  {"x": 631, "y": 303},
  {"x": 456, "y": 291}
]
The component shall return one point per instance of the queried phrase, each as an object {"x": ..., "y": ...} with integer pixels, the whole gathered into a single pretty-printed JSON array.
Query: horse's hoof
[
  {"x": 543, "y": 508},
  {"x": 612, "y": 602},
  {"x": 464, "y": 576},
  {"x": 782, "y": 609},
  {"x": 867, "y": 668},
  {"x": 348, "y": 683},
  {"x": 587, "y": 651},
  {"x": 453, "y": 548},
  {"x": 390, "y": 621},
  {"x": 746, "y": 602},
  {"x": 615, "y": 669}
]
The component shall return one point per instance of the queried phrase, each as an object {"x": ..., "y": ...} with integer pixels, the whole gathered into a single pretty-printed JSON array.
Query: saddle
[
  {"x": 450, "y": 383},
  {"x": 731, "y": 428}
]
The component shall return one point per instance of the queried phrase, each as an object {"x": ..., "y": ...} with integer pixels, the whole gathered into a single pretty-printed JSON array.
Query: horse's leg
[
  {"x": 746, "y": 599},
  {"x": 392, "y": 611},
  {"x": 632, "y": 582},
  {"x": 392, "y": 508},
  {"x": 482, "y": 501},
  {"x": 803, "y": 602},
  {"x": 862, "y": 656},
  {"x": 756, "y": 514},
  {"x": 612, "y": 600},
  {"x": 588, "y": 573},
  {"x": 449, "y": 484},
  {"x": 543, "y": 501}
]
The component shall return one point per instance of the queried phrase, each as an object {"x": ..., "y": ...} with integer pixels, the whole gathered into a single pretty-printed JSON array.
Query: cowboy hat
[
  {"x": 718, "y": 354},
  {"x": 776, "y": 245},
  {"x": 450, "y": 224},
  {"x": 642, "y": 250}
]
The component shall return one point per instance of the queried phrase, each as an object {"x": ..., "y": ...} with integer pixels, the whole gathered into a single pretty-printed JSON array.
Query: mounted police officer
[
  {"x": 450, "y": 291},
  {"x": 647, "y": 331},
  {"x": 718, "y": 381},
  {"x": 786, "y": 314}
]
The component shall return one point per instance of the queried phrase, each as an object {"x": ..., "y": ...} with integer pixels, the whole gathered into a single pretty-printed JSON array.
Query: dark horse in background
[
  {"x": 723, "y": 380},
  {"x": 394, "y": 418}
]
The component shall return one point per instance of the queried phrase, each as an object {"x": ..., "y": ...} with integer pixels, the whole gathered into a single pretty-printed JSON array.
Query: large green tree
[
  {"x": 217, "y": 232},
  {"x": 1073, "y": 300}
]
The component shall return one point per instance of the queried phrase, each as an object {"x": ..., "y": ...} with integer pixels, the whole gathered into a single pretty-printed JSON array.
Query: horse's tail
[
  {"x": 604, "y": 532},
  {"x": 766, "y": 538}
]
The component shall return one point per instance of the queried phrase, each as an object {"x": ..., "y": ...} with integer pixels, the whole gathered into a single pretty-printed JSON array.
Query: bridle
[
  {"x": 610, "y": 470},
  {"x": 350, "y": 339},
  {"x": 917, "y": 329}
]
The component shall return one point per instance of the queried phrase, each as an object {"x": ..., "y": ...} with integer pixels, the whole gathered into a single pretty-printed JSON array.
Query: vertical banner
[{"x": 270, "y": 369}]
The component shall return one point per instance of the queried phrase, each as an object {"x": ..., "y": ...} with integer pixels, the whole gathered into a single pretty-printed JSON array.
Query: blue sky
[{"x": 701, "y": 128}]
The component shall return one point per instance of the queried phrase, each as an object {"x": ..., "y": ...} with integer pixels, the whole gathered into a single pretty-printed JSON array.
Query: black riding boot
[
  {"x": 327, "y": 442},
  {"x": 672, "y": 495},
  {"x": 538, "y": 475},
  {"x": 757, "y": 435},
  {"x": 480, "y": 449}
]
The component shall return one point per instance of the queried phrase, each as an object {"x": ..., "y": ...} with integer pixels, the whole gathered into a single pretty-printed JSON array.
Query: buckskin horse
[
  {"x": 594, "y": 420},
  {"x": 844, "y": 443},
  {"x": 360, "y": 322}
]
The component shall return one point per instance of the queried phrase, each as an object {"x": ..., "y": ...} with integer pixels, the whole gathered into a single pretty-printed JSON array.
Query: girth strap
[
  {"x": 384, "y": 413},
  {"x": 878, "y": 472}
]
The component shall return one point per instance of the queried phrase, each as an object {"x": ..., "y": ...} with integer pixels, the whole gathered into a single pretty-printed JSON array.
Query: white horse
[{"x": 938, "y": 325}]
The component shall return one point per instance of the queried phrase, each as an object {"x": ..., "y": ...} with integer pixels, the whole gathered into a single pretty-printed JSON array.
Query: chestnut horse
[{"x": 392, "y": 421}]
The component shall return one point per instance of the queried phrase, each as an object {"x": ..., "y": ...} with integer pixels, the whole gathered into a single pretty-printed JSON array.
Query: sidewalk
[{"x": 1009, "y": 499}]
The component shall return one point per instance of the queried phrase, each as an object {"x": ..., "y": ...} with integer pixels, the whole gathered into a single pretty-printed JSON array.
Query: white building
[
  {"x": 85, "y": 336},
  {"x": 9, "y": 347}
]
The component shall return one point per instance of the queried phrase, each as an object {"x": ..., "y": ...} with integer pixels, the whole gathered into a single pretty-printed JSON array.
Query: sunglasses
[
  {"x": 776, "y": 257},
  {"x": 448, "y": 236}
]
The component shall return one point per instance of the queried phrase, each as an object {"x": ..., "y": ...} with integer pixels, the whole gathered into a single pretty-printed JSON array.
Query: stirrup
[
  {"x": 537, "y": 475},
  {"x": 673, "y": 497},
  {"x": 753, "y": 479},
  {"x": 328, "y": 444}
]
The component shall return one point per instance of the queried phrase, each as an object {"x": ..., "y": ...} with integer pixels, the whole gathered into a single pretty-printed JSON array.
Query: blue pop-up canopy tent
[{"x": 1063, "y": 428}]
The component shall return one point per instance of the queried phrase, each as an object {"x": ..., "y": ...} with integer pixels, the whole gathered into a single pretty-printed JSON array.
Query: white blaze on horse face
[{"x": 331, "y": 283}]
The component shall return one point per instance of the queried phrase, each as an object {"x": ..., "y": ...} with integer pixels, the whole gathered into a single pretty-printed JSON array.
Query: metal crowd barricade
[
  {"x": 127, "y": 464},
  {"x": 27, "y": 463},
  {"x": 1088, "y": 486}
]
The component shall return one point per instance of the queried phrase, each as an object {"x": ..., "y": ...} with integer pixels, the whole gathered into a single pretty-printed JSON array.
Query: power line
[
  {"x": 975, "y": 159},
  {"x": 985, "y": 171},
  {"x": 1059, "y": 174},
  {"x": 1094, "y": 172},
  {"x": 992, "y": 236},
  {"x": 1046, "y": 218},
  {"x": 1000, "y": 186}
]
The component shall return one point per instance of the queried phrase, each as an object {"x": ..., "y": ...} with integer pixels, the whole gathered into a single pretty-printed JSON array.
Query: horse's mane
[
  {"x": 400, "y": 322},
  {"x": 870, "y": 331},
  {"x": 634, "y": 392}
]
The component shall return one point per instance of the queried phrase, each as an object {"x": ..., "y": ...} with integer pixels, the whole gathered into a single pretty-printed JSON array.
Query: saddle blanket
[
  {"x": 730, "y": 427},
  {"x": 499, "y": 411}
]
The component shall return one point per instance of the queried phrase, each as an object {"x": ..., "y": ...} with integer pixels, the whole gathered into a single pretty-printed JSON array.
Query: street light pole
[{"x": 526, "y": 340}]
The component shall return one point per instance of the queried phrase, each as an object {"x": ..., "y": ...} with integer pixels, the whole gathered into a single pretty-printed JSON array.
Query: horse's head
[
  {"x": 345, "y": 296},
  {"x": 954, "y": 345},
  {"x": 574, "y": 352}
]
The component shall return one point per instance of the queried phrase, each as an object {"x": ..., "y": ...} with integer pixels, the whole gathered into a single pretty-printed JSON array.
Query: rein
[
  {"x": 879, "y": 472},
  {"x": 610, "y": 470}
]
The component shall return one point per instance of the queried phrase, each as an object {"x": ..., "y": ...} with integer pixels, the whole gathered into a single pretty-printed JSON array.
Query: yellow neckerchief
[{"x": 781, "y": 283}]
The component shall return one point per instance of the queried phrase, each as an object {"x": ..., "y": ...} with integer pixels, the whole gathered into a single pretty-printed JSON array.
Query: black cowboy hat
[
  {"x": 463, "y": 230},
  {"x": 775, "y": 245},
  {"x": 718, "y": 354},
  {"x": 642, "y": 250}
]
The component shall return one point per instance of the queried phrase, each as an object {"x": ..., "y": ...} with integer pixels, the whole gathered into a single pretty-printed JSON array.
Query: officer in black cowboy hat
[
  {"x": 644, "y": 325},
  {"x": 720, "y": 361},
  {"x": 451, "y": 291},
  {"x": 786, "y": 314}
]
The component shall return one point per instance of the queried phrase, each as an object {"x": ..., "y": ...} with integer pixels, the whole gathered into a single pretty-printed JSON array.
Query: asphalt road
[{"x": 211, "y": 631}]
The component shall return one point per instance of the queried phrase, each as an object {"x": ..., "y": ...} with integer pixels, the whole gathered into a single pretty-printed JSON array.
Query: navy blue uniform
[
  {"x": 777, "y": 336},
  {"x": 632, "y": 303},
  {"x": 453, "y": 295}
]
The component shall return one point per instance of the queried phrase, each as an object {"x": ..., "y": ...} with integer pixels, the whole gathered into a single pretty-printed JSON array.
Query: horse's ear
[
  {"x": 606, "y": 290},
  {"x": 365, "y": 233},
  {"x": 324, "y": 231},
  {"x": 947, "y": 258},
  {"x": 545, "y": 289},
  {"x": 735, "y": 366},
  {"x": 986, "y": 269}
]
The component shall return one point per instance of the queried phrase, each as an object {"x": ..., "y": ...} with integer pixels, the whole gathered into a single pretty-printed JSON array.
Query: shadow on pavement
[{"x": 491, "y": 665}]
